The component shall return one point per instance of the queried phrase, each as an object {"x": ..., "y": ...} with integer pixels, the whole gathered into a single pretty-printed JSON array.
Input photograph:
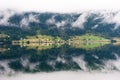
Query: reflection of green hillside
[
  {"x": 88, "y": 41},
  {"x": 89, "y": 46}
]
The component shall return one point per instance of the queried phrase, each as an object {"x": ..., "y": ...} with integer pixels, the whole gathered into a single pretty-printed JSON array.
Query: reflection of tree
[{"x": 51, "y": 59}]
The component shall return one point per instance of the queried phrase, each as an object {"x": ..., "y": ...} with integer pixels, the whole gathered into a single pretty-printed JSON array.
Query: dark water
[{"x": 15, "y": 59}]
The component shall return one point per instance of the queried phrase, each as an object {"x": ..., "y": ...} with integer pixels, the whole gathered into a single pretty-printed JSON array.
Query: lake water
[{"x": 61, "y": 62}]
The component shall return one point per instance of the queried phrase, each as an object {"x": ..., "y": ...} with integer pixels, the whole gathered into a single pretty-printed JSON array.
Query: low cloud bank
[{"x": 62, "y": 75}]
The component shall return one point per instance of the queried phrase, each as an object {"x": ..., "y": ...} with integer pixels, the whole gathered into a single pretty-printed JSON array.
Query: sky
[{"x": 59, "y": 5}]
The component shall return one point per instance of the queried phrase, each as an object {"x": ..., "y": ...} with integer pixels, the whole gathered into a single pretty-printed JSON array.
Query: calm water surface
[{"x": 15, "y": 59}]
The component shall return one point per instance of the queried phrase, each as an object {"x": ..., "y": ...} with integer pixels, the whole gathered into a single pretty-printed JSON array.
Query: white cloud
[
  {"x": 60, "y": 24},
  {"x": 94, "y": 27},
  {"x": 33, "y": 18},
  {"x": 26, "y": 20},
  {"x": 51, "y": 20},
  {"x": 106, "y": 16},
  {"x": 111, "y": 17},
  {"x": 81, "y": 20},
  {"x": 5, "y": 16}
]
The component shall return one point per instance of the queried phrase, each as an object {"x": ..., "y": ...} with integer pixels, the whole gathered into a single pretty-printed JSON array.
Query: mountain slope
[{"x": 20, "y": 24}]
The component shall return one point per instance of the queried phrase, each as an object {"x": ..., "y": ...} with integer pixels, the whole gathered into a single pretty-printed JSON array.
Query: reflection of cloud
[
  {"x": 25, "y": 63},
  {"x": 51, "y": 63},
  {"x": 65, "y": 75},
  {"x": 112, "y": 64},
  {"x": 59, "y": 59},
  {"x": 80, "y": 61},
  {"x": 6, "y": 69}
]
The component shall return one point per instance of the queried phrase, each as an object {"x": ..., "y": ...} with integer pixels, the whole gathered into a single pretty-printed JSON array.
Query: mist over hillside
[{"x": 20, "y": 24}]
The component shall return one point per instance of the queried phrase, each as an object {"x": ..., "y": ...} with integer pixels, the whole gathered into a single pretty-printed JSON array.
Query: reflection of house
[
  {"x": 116, "y": 39},
  {"x": 2, "y": 49},
  {"x": 1, "y": 36}
]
